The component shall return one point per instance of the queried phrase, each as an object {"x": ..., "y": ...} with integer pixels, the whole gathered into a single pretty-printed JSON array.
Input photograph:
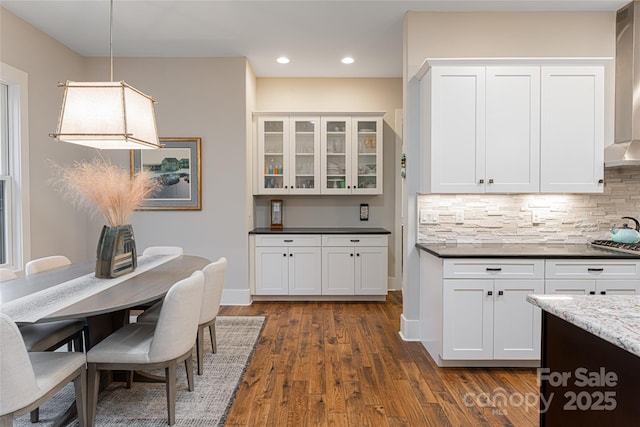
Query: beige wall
[
  {"x": 337, "y": 95},
  {"x": 56, "y": 226}
]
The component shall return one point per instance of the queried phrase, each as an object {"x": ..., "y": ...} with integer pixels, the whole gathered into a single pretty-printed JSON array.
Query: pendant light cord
[{"x": 111, "y": 39}]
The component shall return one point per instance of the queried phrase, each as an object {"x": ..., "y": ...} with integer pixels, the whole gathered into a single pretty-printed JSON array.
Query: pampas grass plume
[{"x": 104, "y": 188}]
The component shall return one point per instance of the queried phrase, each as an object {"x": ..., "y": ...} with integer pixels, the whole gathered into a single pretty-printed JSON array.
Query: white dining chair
[
  {"x": 163, "y": 250},
  {"x": 27, "y": 380},
  {"x": 144, "y": 346},
  {"x": 7, "y": 274},
  {"x": 46, "y": 263},
  {"x": 214, "y": 275}
]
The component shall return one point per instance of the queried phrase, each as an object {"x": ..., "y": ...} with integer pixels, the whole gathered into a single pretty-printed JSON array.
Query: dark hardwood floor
[{"x": 344, "y": 364}]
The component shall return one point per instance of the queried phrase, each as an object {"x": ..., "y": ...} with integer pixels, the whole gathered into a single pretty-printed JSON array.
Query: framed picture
[{"x": 176, "y": 166}]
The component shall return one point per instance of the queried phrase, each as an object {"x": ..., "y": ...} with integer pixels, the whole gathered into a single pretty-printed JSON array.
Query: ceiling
[{"x": 315, "y": 35}]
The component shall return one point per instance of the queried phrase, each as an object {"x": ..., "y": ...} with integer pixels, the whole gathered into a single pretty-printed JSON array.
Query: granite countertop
[
  {"x": 614, "y": 318},
  {"x": 521, "y": 250},
  {"x": 319, "y": 230}
]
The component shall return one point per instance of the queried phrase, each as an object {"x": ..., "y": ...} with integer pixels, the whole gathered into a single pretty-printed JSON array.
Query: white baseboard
[
  {"x": 409, "y": 329},
  {"x": 236, "y": 297}
]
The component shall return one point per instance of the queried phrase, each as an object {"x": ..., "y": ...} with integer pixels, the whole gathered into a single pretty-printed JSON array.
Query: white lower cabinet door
[
  {"x": 570, "y": 287},
  {"x": 338, "y": 271},
  {"x": 272, "y": 271},
  {"x": 371, "y": 271},
  {"x": 305, "y": 271},
  {"x": 467, "y": 319},
  {"x": 516, "y": 322},
  {"x": 617, "y": 287}
]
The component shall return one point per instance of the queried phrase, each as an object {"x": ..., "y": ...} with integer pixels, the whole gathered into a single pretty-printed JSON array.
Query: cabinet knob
[
  {"x": 290, "y": 254},
  {"x": 357, "y": 254},
  {"x": 490, "y": 180},
  {"x": 286, "y": 186},
  {"x": 603, "y": 292},
  {"x": 348, "y": 186},
  {"x": 500, "y": 292},
  {"x": 592, "y": 292},
  {"x": 481, "y": 181},
  {"x": 601, "y": 181},
  {"x": 490, "y": 293},
  {"x": 350, "y": 254},
  {"x": 284, "y": 254}
]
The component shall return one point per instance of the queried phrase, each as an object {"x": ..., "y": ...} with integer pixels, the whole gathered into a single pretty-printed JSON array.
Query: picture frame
[
  {"x": 177, "y": 166},
  {"x": 276, "y": 214}
]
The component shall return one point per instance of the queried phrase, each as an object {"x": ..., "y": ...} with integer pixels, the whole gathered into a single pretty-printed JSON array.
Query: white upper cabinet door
[
  {"x": 273, "y": 155},
  {"x": 512, "y": 157},
  {"x": 336, "y": 155},
  {"x": 572, "y": 129},
  {"x": 366, "y": 168},
  {"x": 456, "y": 135},
  {"x": 304, "y": 158}
]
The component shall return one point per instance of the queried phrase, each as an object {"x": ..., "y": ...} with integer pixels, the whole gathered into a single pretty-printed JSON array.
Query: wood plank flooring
[{"x": 344, "y": 364}]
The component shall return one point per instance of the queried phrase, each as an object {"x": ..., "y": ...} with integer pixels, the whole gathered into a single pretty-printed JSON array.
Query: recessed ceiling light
[
  {"x": 347, "y": 60},
  {"x": 283, "y": 60}
]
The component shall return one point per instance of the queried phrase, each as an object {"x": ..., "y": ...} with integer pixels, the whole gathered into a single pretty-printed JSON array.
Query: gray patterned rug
[{"x": 144, "y": 404}]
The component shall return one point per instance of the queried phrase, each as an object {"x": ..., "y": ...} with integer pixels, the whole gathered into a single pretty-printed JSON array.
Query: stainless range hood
[{"x": 626, "y": 149}]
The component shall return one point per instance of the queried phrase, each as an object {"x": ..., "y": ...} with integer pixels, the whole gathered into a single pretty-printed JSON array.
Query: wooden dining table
[{"x": 107, "y": 309}]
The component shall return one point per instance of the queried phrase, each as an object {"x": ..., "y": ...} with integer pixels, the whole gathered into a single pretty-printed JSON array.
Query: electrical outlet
[
  {"x": 428, "y": 217},
  {"x": 536, "y": 216},
  {"x": 459, "y": 217}
]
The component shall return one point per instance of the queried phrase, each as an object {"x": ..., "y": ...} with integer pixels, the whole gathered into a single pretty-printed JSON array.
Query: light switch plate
[
  {"x": 428, "y": 217},
  {"x": 459, "y": 217},
  {"x": 536, "y": 217}
]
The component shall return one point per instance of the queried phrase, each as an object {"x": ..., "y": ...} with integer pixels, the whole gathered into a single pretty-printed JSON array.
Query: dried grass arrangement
[{"x": 104, "y": 188}]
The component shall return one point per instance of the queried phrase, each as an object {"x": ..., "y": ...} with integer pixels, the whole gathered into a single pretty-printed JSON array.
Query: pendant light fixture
[{"x": 107, "y": 115}]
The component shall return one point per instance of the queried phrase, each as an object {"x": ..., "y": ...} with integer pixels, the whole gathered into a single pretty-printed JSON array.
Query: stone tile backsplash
[{"x": 533, "y": 218}]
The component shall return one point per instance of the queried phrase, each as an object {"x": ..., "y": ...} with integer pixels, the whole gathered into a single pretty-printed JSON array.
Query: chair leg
[
  {"x": 170, "y": 384},
  {"x": 129, "y": 375},
  {"x": 35, "y": 415},
  {"x": 212, "y": 333},
  {"x": 80, "y": 385},
  {"x": 200, "y": 349},
  {"x": 93, "y": 381},
  {"x": 188, "y": 363}
]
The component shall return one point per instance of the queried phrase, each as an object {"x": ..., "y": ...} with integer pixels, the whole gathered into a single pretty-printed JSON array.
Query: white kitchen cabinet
[
  {"x": 504, "y": 127},
  {"x": 484, "y": 129},
  {"x": 486, "y": 315},
  {"x": 591, "y": 277},
  {"x": 288, "y": 155},
  {"x": 288, "y": 265},
  {"x": 354, "y": 265},
  {"x": 572, "y": 129},
  {"x": 351, "y": 155}
]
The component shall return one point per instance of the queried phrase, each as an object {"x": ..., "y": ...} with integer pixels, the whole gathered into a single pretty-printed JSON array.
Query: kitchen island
[{"x": 590, "y": 360}]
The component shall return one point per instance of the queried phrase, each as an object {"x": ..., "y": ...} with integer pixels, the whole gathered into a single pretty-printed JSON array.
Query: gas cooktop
[{"x": 632, "y": 248}]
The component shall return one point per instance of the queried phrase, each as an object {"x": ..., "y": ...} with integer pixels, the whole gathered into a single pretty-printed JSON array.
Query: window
[{"x": 14, "y": 170}]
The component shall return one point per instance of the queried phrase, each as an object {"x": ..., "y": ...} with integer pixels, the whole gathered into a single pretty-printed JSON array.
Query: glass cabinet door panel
[
  {"x": 367, "y": 155},
  {"x": 336, "y": 160},
  {"x": 305, "y": 162},
  {"x": 272, "y": 155}
]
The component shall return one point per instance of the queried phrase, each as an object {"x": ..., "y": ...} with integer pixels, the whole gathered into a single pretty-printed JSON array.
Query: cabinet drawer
[
  {"x": 493, "y": 268},
  {"x": 354, "y": 240},
  {"x": 593, "y": 269},
  {"x": 288, "y": 240}
]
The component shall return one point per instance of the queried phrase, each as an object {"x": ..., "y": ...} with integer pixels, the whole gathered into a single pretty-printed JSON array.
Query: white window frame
[{"x": 19, "y": 211}]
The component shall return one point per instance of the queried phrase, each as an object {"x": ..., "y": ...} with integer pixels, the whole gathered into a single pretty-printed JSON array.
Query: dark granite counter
[
  {"x": 319, "y": 230},
  {"x": 524, "y": 250}
]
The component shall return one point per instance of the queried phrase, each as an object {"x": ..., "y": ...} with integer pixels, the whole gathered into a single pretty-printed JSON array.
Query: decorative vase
[{"x": 116, "y": 251}]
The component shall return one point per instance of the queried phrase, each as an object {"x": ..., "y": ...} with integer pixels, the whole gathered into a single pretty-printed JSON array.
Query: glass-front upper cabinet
[
  {"x": 351, "y": 155},
  {"x": 305, "y": 155},
  {"x": 288, "y": 155},
  {"x": 273, "y": 137},
  {"x": 367, "y": 155}
]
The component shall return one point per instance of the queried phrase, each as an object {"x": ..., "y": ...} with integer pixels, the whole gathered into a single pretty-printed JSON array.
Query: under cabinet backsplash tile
[{"x": 564, "y": 218}]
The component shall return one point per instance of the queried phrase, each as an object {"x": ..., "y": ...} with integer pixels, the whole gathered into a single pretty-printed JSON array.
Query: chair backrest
[
  {"x": 214, "y": 275},
  {"x": 46, "y": 263},
  {"x": 163, "y": 250},
  {"x": 177, "y": 325},
  {"x": 7, "y": 274},
  {"x": 17, "y": 380}
]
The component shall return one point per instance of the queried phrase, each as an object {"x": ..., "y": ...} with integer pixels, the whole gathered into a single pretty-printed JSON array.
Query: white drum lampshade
[{"x": 107, "y": 115}]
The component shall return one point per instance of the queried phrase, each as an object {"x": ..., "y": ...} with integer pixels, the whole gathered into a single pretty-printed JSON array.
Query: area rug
[{"x": 144, "y": 404}]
